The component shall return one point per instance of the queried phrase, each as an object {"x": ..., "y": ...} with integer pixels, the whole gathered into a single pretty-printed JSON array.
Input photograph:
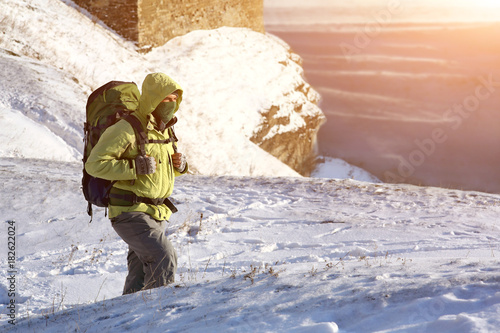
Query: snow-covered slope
[
  {"x": 257, "y": 255},
  {"x": 38, "y": 110},
  {"x": 57, "y": 34},
  {"x": 230, "y": 77}
]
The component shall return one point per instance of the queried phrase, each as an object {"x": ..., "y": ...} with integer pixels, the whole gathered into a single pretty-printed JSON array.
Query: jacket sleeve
[{"x": 106, "y": 159}]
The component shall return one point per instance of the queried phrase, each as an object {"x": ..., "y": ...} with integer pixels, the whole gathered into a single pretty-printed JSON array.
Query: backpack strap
[
  {"x": 162, "y": 141},
  {"x": 128, "y": 198},
  {"x": 173, "y": 138},
  {"x": 171, "y": 135},
  {"x": 142, "y": 137}
]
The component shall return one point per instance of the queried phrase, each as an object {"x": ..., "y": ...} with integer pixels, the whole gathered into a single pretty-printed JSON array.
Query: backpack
[{"x": 105, "y": 106}]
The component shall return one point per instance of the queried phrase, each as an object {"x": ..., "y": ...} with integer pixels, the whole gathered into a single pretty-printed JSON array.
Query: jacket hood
[{"x": 155, "y": 88}]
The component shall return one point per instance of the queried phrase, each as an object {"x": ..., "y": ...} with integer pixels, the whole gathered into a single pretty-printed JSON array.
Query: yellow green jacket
[{"x": 113, "y": 157}]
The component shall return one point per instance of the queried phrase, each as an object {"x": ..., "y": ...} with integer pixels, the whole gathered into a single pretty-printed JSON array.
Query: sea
[{"x": 411, "y": 93}]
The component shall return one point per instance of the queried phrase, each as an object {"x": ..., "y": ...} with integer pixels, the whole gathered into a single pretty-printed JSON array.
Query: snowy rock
[
  {"x": 290, "y": 125},
  {"x": 329, "y": 167}
]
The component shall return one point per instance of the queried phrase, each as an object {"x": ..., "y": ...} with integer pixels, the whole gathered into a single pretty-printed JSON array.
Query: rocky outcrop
[
  {"x": 297, "y": 148},
  {"x": 289, "y": 131}
]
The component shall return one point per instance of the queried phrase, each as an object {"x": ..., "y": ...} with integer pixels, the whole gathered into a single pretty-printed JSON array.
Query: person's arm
[{"x": 105, "y": 160}]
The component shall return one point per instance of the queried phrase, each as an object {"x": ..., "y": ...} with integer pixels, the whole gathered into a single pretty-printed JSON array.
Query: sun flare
[
  {"x": 476, "y": 3},
  {"x": 486, "y": 3}
]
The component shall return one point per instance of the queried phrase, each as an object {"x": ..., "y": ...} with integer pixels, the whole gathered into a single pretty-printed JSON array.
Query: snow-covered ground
[{"x": 257, "y": 254}]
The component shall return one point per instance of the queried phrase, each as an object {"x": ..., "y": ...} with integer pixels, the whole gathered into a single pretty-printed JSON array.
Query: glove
[
  {"x": 145, "y": 165},
  {"x": 180, "y": 161},
  {"x": 182, "y": 167}
]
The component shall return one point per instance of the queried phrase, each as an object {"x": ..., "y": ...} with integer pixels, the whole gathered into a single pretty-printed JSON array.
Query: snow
[
  {"x": 260, "y": 248},
  {"x": 39, "y": 109},
  {"x": 258, "y": 254},
  {"x": 30, "y": 135},
  {"x": 329, "y": 167}
]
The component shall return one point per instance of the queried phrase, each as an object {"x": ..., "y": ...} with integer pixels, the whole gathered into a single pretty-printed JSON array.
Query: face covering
[{"x": 165, "y": 111}]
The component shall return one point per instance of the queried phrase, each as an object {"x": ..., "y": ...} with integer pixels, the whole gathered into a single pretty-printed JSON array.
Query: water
[{"x": 410, "y": 102}]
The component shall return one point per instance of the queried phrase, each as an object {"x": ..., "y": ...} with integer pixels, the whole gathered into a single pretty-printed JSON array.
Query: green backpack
[{"x": 105, "y": 106}]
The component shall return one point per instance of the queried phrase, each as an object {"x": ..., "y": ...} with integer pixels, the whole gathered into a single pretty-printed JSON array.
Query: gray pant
[{"x": 152, "y": 260}]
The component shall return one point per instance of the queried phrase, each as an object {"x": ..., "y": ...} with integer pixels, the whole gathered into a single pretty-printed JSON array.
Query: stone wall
[
  {"x": 154, "y": 22},
  {"x": 119, "y": 15},
  {"x": 161, "y": 20}
]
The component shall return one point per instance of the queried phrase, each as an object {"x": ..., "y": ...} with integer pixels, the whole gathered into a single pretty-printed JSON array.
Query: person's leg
[
  {"x": 146, "y": 238},
  {"x": 135, "y": 278}
]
